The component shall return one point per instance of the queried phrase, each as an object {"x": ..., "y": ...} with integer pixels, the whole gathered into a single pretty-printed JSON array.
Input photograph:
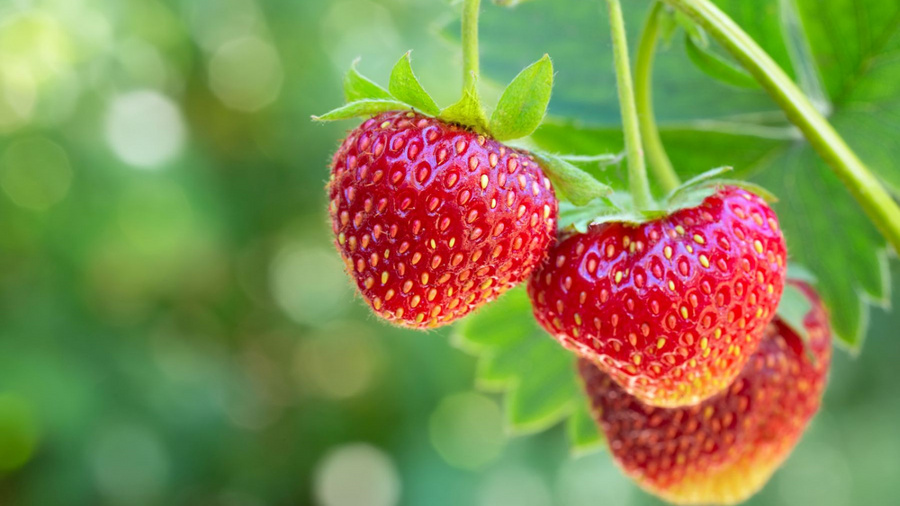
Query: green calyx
[
  {"x": 793, "y": 308},
  {"x": 518, "y": 113},
  {"x": 620, "y": 207}
]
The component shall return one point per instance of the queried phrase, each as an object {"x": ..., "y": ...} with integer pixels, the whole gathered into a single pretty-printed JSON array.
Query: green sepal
[
  {"x": 584, "y": 435},
  {"x": 619, "y": 207},
  {"x": 717, "y": 67},
  {"x": 668, "y": 25},
  {"x": 524, "y": 102},
  {"x": 600, "y": 210},
  {"x": 691, "y": 28},
  {"x": 798, "y": 272},
  {"x": 362, "y": 108},
  {"x": 573, "y": 183},
  {"x": 704, "y": 185},
  {"x": 467, "y": 112},
  {"x": 359, "y": 87},
  {"x": 792, "y": 311},
  {"x": 604, "y": 160},
  {"x": 793, "y": 308},
  {"x": 404, "y": 86},
  {"x": 701, "y": 180}
]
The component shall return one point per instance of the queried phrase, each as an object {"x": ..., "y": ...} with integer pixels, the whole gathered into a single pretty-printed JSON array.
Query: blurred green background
[{"x": 176, "y": 328}]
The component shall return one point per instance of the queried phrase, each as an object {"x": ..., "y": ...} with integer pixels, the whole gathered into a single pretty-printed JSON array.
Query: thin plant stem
[
  {"x": 471, "y": 69},
  {"x": 643, "y": 87},
  {"x": 862, "y": 184},
  {"x": 637, "y": 169}
]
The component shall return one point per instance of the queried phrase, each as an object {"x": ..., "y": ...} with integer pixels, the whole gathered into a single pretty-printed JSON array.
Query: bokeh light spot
[
  {"x": 156, "y": 218},
  {"x": 34, "y": 43},
  {"x": 309, "y": 284},
  {"x": 467, "y": 430},
  {"x": 143, "y": 62},
  {"x": 357, "y": 475},
  {"x": 130, "y": 465},
  {"x": 18, "y": 432},
  {"x": 339, "y": 362},
  {"x": 515, "y": 486},
  {"x": 35, "y": 173},
  {"x": 18, "y": 96},
  {"x": 360, "y": 28},
  {"x": 246, "y": 74},
  {"x": 592, "y": 480},
  {"x": 215, "y": 22},
  {"x": 145, "y": 128}
]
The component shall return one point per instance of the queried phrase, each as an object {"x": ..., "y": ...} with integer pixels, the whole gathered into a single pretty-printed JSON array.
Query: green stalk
[
  {"x": 471, "y": 67},
  {"x": 637, "y": 169},
  {"x": 643, "y": 88},
  {"x": 468, "y": 111},
  {"x": 862, "y": 184}
]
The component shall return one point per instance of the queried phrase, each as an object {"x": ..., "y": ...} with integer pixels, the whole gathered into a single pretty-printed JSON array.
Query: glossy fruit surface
[
  {"x": 671, "y": 309},
  {"x": 725, "y": 449},
  {"x": 433, "y": 220}
]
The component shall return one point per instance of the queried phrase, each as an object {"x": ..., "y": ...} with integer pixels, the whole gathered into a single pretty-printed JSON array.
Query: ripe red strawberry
[
  {"x": 433, "y": 220},
  {"x": 723, "y": 450},
  {"x": 671, "y": 309}
]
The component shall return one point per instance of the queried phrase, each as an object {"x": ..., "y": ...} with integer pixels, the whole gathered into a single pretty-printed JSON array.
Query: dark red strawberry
[
  {"x": 725, "y": 449},
  {"x": 433, "y": 220},
  {"x": 671, "y": 309}
]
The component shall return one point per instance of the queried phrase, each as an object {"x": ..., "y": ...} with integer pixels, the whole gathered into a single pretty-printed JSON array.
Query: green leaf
[
  {"x": 573, "y": 32},
  {"x": 362, "y": 108},
  {"x": 404, "y": 86},
  {"x": 517, "y": 357},
  {"x": 584, "y": 435},
  {"x": 547, "y": 393},
  {"x": 793, "y": 308},
  {"x": 716, "y": 66},
  {"x": 358, "y": 87},
  {"x": 571, "y": 182},
  {"x": 523, "y": 104},
  {"x": 827, "y": 232}
]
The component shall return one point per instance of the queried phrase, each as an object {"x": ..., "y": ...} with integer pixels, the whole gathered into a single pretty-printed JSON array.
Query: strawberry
[
  {"x": 725, "y": 449},
  {"x": 673, "y": 308},
  {"x": 433, "y": 220}
]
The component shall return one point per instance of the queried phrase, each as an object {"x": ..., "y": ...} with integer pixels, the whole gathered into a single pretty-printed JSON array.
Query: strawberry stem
[
  {"x": 637, "y": 169},
  {"x": 862, "y": 184},
  {"x": 469, "y": 111},
  {"x": 471, "y": 67},
  {"x": 643, "y": 87}
]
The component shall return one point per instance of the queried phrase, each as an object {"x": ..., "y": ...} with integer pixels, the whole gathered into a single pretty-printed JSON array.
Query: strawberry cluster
[
  {"x": 723, "y": 450},
  {"x": 699, "y": 374},
  {"x": 701, "y": 388}
]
